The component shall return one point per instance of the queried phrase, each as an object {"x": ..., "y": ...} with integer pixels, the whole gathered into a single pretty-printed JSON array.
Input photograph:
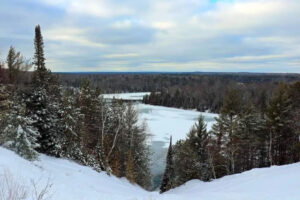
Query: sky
[{"x": 157, "y": 35}]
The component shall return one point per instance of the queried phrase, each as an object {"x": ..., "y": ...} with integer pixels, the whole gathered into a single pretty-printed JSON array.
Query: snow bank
[
  {"x": 70, "y": 180},
  {"x": 76, "y": 182},
  {"x": 274, "y": 183}
]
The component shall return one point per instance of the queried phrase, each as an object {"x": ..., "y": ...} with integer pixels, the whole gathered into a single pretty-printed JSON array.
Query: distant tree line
[
  {"x": 201, "y": 91},
  {"x": 39, "y": 115},
  {"x": 209, "y": 95},
  {"x": 243, "y": 137}
]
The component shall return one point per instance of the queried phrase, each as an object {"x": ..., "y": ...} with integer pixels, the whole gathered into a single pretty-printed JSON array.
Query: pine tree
[
  {"x": 295, "y": 99},
  {"x": 43, "y": 102},
  {"x": 279, "y": 119},
  {"x": 71, "y": 120},
  {"x": 38, "y": 110},
  {"x": 135, "y": 138},
  {"x": 39, "y": 59},
  {"x": 186, "y": 164},
  {"x": 14, "y": 61},
  {"x": 90, "y": 134},
  {"x": 251, "y": 139},
  {"x": 218, "y": 149},
  {"x": 41, "y": 75},
  {"x": 169, "y": 175},
  {"x": 198, "y": 139},
  {"x": 231, "y": 108},
  {"x": 19, "y": 135},
  {"x": 5, "y": 104}
]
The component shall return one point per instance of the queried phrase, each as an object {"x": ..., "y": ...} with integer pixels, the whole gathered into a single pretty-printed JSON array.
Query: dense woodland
[
  {"x": 39, "y": 115},
  {"x": 201, "y": 91},
  {"x": 244, "y": 137},
  {"x": 63, "y": 115}
]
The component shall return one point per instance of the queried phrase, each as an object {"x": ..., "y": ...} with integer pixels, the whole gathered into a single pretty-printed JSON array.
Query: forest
[
  {"x": 39, "y": 115},
  {"x": 64, "y": 115}
]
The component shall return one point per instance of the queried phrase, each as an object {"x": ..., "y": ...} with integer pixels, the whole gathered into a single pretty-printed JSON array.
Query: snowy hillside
[{"x": 72, "y": 181}]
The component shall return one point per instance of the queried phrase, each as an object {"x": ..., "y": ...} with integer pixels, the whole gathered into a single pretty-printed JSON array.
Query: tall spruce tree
[
  {"x": 41, "y": 74},
  {"x": 39, "y": 58},
  {"x": 169, "y": 175},
  {"x": 40, "y": 106},
  {"x": 198, "y": 139}
]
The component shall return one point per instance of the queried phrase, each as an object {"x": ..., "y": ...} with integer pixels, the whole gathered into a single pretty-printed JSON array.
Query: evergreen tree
[
  {"x": 218, "y": 149},
  {"x": 169, "y": 175},
  {"x": 185, "y": 163},
  {"x": 251, "y": 139},
  {"x": 279, "y": 123},
  {"x": 39, "y": 58},
  {"x": 198, "y": 139},
  {"x": 19, "y": 135},
  {"x": 135, "y": 137},
  {"x": 71, "y": 120},
  {"x": 5, "y": 104},
  {"x": 42, "y": 75},
  {"x": 90, "y": 134},
  {"x": 295, "y": 99},
  {"x": 231, "y": 108},
  {"x": 38, "y": 110},
  {"x": 42, "y": 104},
  {"x": 14, "y": 61}
]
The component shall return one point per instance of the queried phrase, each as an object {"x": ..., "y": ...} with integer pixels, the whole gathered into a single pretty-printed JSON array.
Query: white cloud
[
  {"x": 173, "y": 34},
  {"x": 98, "y": 8},
  {"x": 123, "y": 55},
  {"x": 74, "y": 35},
  {"x": 163, "y": 25}
]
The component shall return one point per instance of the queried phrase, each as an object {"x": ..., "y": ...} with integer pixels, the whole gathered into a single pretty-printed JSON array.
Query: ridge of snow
[{"x": 73, "y": 181}]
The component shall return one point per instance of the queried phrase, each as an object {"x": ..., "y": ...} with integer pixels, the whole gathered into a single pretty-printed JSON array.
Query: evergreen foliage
[
  {"x": 169, "y": 175},
  {"x": 19, "y": 135},
  {"x": 243, "y": 137},
  {"x": 14, "y": 61}
]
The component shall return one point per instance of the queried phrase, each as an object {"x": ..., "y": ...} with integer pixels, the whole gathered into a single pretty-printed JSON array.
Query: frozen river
[{"x": 162, "y": 123}]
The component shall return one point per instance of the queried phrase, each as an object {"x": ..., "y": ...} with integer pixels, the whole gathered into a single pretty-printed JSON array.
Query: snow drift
[{"x": 72, "y": 181}]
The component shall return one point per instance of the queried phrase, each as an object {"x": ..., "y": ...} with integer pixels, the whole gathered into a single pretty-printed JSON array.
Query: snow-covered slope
[
  {"x": 70, "y": 181},
  {"x": 75, "y": 182},
  {"x": 275, "y": 183}
]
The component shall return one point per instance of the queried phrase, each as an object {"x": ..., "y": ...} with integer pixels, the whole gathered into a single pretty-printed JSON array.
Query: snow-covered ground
[{"x": 73, "y": 181}]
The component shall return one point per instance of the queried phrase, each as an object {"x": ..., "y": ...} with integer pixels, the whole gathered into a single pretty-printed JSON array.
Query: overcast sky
[{"x": 157, "y": 35}]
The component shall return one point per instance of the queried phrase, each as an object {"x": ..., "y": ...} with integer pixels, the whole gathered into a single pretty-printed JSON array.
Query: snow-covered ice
[
  {"x": 75, "y": 182},
  {"x": 164, "y": 121}
]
